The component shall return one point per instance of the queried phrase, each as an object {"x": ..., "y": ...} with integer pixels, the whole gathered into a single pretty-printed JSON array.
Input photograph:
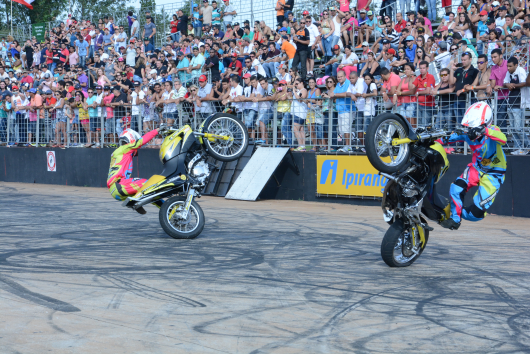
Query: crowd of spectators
[{"x": 344, "y": 65}]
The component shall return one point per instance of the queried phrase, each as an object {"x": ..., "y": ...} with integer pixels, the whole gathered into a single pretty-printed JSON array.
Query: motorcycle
[
  {"x": 414, "y": 163},
  {"x": 184, "y": 155}
]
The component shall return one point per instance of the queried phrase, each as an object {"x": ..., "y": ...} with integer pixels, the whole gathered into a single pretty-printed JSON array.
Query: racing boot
[{"x": 450, "y": 224}]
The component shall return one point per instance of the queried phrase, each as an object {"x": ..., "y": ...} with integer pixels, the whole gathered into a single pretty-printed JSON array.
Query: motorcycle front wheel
[
  {"x": 396, "y": 246},
  {"x": 379, "y": 149},
  {"x": 175, "y": 225},
  {"x": 227, "y": 150}
]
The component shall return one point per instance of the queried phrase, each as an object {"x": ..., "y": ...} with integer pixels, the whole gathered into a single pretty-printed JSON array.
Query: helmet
[
  {"x": 478, "y": 114},
  {"x": 129, "y": 136}
]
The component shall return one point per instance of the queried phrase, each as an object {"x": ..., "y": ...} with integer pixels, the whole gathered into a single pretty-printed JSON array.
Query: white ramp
[{"x": 256, "y": 173}]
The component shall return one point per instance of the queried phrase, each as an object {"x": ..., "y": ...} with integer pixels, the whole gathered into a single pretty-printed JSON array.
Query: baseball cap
[
  {"x": 77, "y": 87},
  {"x": 99, "y": 88},
  {"x": 104, "y": 56},
  {"x": 14, "y": 88},
  {"x": 133, "y": 40},
  {"x": 234, "y": 55},
  {"x": 195, "y": 5},
  {"x": 437, "y": 35},
  {"x": 442, "y": 44},
  {"x": 363, "y": 11},
  {"x": 146, "y": 38},
  {"x": 202, "y": 78},
  {"x": 516, "y": 26},
  {"x": 285, "y": 37},
  {"x": 483, "y": 13},
  {"x": 179, "y": 53},
  {"x": 283, "y": 29},
  {"x": 47, "y": 92},
  {"x": 369, "y": 13},
  {"x": 443, "y": 28},
  {"x": 336, "y": 47},
  {"x": 106, "y": 88},
  {"x": 305, "y": 13},
  {"x": 490, "y": 21},
  {"x": 365, "y": 44},
  {"x": 32, "y": 90},
  {"x": 137, "y": 83},
  {"x": 502, "y": 8},
  {"x": 409, "y": 38},
  {"x": 246, "y": 76},
  {"x": 153, "y": 71},
  {"x": 283, "y": 82},
  {"x": 384, "y": 41},
  {"x": 117, "y": 88},
  {"x": 391, "y": 51},
  {"x": 274, "y": 80},
  {"x": 134, "y": 16},
  {"x": 332, "y": 8},
  {"x": 120, "y": 59},
  {"x": 495, "y": 3},
  {"x": 236, "y": 24},
  {"x": 421, "y": 29}
]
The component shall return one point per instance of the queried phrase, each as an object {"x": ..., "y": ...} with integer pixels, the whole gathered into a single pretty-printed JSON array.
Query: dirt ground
[{"x": 81, "y": 274}]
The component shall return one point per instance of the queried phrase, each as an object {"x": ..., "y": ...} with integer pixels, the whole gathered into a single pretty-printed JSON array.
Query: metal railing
[{"x": 318, "y": 124}]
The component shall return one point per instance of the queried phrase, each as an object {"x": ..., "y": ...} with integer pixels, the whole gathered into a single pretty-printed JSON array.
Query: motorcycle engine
[{"x": 200, "y": 171}]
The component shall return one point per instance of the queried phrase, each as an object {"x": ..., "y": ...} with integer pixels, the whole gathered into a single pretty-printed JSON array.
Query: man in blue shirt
[
  {"x": 182, "y": 67},
  {"x": 344, "y": 108},
  {"x": 410, "y": 48},
  {"x": 148, "y": 47},
  {"x": 81, "y": 47}
]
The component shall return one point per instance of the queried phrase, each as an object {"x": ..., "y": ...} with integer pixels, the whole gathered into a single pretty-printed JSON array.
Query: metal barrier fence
[{"x": 320, "y": 124}]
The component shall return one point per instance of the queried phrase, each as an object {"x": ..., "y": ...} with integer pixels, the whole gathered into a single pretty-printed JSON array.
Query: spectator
[
  {"x": 81, "y": 50},
  {"x": 443, "y": 58},
  {"x": 482, "y": 81},
  {"x": 149, "y": 30},
  {"x": 134, "y": 28},
  {"x": 391, "y": 82},
  {"x": 302, "y": 41},
  {"x": 228, "y": 13},
  {"x": 404, "y": 99},
  {"x": 514, "y": 81},
  {"x": 460, "y": 77}
]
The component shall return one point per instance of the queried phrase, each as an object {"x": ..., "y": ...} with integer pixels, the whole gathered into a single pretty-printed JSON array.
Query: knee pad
[{"x": 474, "y": 213}]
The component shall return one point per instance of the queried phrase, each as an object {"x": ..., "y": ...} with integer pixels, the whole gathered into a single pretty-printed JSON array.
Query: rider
[
  {"x": 119, "y": 182},
  {"x": 486, "y": 170}
]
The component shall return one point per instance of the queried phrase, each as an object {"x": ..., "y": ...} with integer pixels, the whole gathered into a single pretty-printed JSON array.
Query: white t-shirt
[
  {"x": 313, "y": 33},
  {"x": 248, "y": 91},
  {"x": 359, "y": 87},
  {"x": 521, "y": 74},
  {"x": 93, "y": 37},
  {"x": 338, "y": 23},
  {"x": 370, "y": 102},
  {"x": 234, "y": 92},
  {"x": 169, "y": 107},
  {"x": 261, "y": 71},
  {"x": 349, "y": 60},
  {"x": 203, "y": 92},
  {"x": 117, "y": 44},
  {"x": 136, "y": 25},
  {"x": 136, "y": 107},
  {"x": 265, "y": 105},
  {"x": 130, "y": 58}
]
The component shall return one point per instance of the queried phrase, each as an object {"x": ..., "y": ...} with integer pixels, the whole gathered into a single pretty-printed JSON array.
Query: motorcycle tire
[
  {"x": 175, "y": 228},
  {"x": 390, "y": 244},
  {"x": 373, "y": 144},
  {"x": 222, "y": 150}
]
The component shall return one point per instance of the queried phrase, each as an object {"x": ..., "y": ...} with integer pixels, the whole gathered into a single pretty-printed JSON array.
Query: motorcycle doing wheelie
[
  {"x": 183, "y": 154},
  {"x": 414, "y": 163}
]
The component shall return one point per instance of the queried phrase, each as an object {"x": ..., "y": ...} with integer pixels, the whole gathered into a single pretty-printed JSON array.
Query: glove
[
  {"x": 477, "y": 132},
  {"x": 162, "y": 129}
]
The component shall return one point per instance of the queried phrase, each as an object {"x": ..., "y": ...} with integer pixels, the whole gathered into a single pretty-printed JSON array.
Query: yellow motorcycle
[{"x": 183, "y": 154}]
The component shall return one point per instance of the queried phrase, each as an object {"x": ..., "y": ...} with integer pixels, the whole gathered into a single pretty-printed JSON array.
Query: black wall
[{"x": 89, "y": 167}]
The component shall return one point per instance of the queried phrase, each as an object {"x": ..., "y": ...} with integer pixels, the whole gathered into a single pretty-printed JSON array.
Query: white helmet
[
  {"x": 129, "y": 136},
  {"x": 478, "y": 114}
]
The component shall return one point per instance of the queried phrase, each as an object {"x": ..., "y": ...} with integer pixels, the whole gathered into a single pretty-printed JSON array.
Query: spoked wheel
[
  {"x": 379, "y": 149},
  {"x": 235, "y": 130},
  {"x": 397, "y": 246},
  {"x": 173, "y": 222}
]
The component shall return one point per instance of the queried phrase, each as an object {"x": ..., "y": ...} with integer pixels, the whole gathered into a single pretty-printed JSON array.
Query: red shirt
[
  {"x": 400, "y": 25},
  {"x": 49, "y": 56},
  {"x": 422, "y": 84},
  {"x": 237, "y": 65},
  {"x": 27, "y": 79}
]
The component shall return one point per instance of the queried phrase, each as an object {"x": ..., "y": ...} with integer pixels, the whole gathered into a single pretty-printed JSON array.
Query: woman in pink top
[
  {"x": 73, "y": 57},
  {"x": 406, "y": 104}
]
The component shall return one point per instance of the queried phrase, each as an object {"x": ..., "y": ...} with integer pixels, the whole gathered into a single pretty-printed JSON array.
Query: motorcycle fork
[{"x": 187, "y": 205}]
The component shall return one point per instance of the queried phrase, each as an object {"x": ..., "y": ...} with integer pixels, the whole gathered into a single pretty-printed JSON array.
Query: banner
[
  {"x": 348, "y": 175},
  {"x": 38, "y": 30}
]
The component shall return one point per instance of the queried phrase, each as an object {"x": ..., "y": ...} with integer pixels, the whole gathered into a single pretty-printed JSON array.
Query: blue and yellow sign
[{"x": 348, "y": 175}]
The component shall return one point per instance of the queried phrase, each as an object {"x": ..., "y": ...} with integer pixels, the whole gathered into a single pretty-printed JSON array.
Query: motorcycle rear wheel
[
  {"x": 379, "y": 150},
  {"x": 393, "y": 249},
  {"x": 179, "y": 228},
  {"x": 224, "y": 150}
]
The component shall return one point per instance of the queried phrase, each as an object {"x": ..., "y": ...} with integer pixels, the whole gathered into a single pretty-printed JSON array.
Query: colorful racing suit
[
  {"x": 119, "y": 182},
  {"x": 486, "y": 171}
]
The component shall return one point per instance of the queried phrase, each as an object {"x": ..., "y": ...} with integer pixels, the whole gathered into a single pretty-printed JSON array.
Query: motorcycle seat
[{"x": 150, "y": 182}]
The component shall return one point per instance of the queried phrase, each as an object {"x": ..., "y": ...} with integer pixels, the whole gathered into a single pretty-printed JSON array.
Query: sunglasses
[
  {"x": 193, "y": 90},
  {"x": 307, "y": 21},
  {"x": 453, "y": 50},
  {"x": 325, "y": 14},
  {"x": 443, "y": 75},
  {"x": 90, "y": 91},
  {"x": 282, "y": 85},
  {"x": 329, "y": 82},
  {"x": 480, "y": 62}
]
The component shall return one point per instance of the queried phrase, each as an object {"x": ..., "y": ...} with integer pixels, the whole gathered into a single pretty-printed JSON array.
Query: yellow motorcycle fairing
[
  {"x": 421, "y": 232},
  {"x": 173, "y": 143},
  {"x": 440, "y": 149}
]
